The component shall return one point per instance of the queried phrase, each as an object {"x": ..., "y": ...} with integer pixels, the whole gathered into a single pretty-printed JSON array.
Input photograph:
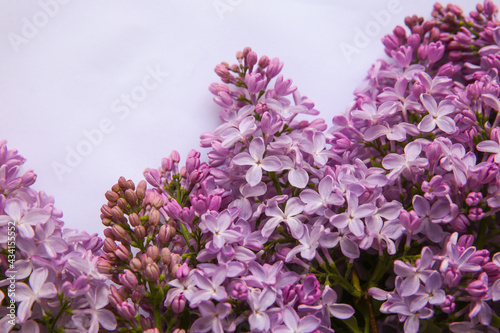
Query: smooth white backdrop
[{"x": 125, "y": 82}]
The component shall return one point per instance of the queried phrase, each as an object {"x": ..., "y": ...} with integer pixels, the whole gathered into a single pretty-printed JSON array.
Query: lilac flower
[
  {"x": 24, "y": 220},
  {"x": 211, "y": 317},
  {"x": 438, "y": 115},
  {"x": 257, "y": 162},
  {"x": 209, "y": 288},
  {"x": 97, "y": 300},
  {"x": 290, "y": 216},
  {"x": 37, "y": 290},
  {"x": 352, "y": 218},
  {"x": 269, "y": 275},
  {"x": 315, "y": 144},
  {"x": 430, "y": 293},
  {"x": 431, "y": 217},
  {"x": 490, "y": 146},
  {"x": 414, "y": 274},
  {"x": 260, "y": 301},
  {"x": 317, "y": 202},
  {"x": 331, "y": 307},
  {"x": 310, "y": 241},
  {"x": 220, "y": 228},
  {"x": 412, "y": 318},
  {"x": 295, "y": 324},
  {"x": 409, "y": 161}
]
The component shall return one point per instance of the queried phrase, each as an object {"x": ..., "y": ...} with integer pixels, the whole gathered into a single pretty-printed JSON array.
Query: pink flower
[{"x": 257, "y": 162}]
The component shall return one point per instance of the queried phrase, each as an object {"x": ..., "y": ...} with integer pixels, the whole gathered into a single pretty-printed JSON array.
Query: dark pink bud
[
  {"x": 449, "y": 304},
  {"x": 422, "y": 52},
  {"x": 108, "y": 245},
  {"x": 141, "y": 189},
  {"x": 104, "y": 266},
  {"x": 153, "y": 252},
  {"x": 289, "y": 294},
  {"x": 263, "y": 61},
  {"x": 131, "y": 197},
  {"x": 134, "y": 220},
  {"x": 474, "y": 198},
  {"x": 128, "y": 279},
  {"x": 135, "y": 264},
  {"x": 154, "y": 216},
  {"x": 183, "y": 271},
  {"x": 152, "y": 272},
  {"x": 163, "y": 236},
  {"x": 477, "y": 288},
  {"x": 414, "y": 41},
  {"x": 140, "y": 232},
  {"x": 488, "y": 172},
  {"x": 179, "y": 303},
  {"x": 120, "y": 233},
  {"x": 166, "y": 256},
  {"x": 122, "y": 252},
  {"x": 435, "y": 51},
  {"x": 475, "y": 214},
  {"x": 126, "y": 310},
  {"x": 251, "y": 58},
  {"x": 480, "y": 257}
]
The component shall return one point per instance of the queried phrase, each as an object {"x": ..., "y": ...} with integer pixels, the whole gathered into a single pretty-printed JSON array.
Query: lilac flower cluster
[
  {"x": 385, "y": 222},
  {"x": 49, "y": 281}
]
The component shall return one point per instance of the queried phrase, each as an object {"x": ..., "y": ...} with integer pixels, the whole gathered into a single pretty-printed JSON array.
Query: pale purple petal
[
  {"x": 243, "y": 159},
  {"x": 254, "y": 175},
  {"x": 446, "y": 124},
  {"x": 298, "y": 178},
  {"x": 308, "y": 324},
  {"x": 257, "y": 149},
  {"x": 341, "y": 311},
  {"x": 271, "y": 163},
  {"x": 488, "y": 146}
]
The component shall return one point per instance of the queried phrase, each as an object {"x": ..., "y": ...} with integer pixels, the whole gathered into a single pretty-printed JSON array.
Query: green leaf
[
  {"x": 427, "y": 326},
  {"x": 352, "y": 323},
  {"x": 495, "y": 321}
]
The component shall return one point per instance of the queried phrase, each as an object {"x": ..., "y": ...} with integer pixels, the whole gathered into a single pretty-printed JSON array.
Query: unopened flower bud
[
  {"x": 163, "y": 236},
  {"x": 154, "y": 216},
  {"x": 104, "y": 266},
  {"x": 134, "y": 220},
  {"x": 152, "y": 272},
  {"x": 449, "y": 304},
  {"x": 109, "y": 245},
  {"x": 477, "y": 288},
  {"x": 122, "y": 252},
  {"x": 157, "y": 202},
  {"x": 166, "y": 256},
  {"x": 126, "y": 310},
  {"x": 128, "y": 279},
  {"x": 251, "y": 58},
  {"x": 121, "y": 234},
  {"x": 122, "y": 182},
  {"x": 140, "y": 232},
  {"x": 106, "y": 211},
  {"x": 141, "y": 189},
  {"x": 122, "y": 204},
  {"x": 183, "y": 271},
  {"x": 111, "y": 196},
  {"x": 135, "y": 265},
  {"x": 153, "y": 252},
  {"x": 131, "y": 197},
  {"x": 179, "y": 303}
]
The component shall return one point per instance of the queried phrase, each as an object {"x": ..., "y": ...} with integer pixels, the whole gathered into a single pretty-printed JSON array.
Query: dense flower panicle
[
  {"x": 54, "y": 270},
  {"x": 387, "y": 220}
]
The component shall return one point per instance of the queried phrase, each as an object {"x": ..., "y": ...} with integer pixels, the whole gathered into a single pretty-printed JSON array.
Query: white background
[{"x": 65, "y": 65}]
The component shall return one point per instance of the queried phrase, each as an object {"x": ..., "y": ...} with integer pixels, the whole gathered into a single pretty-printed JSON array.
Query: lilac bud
[
  {"x": 104, "y": 266},
  {"x": 154, "y": 216},
  {"x": 449, "y": 69},
  {"x": 179, "y": 303},
  {"x": 215, "y": 202},
  {"x": 289, "y": 294},
  {"x": 488, "y": 172},
  {"x": 152, "y": 177},
  {"x": 261, "y": 107},
  {"x": 240, "y": 291},
  {"x": 183, "y": 271},
  {"x": 251, "y": 58},
  {"x": 153, "y": 252},
  {"x": 135, "y": 265},
  {"x": 121, "y": 234},
  {"x": 274, "y": 68},
  {"x": 166, "y": 256},
  {"x": 134, "y": 220},
  {"x": 492, "y": 270},
  {"x": 123, "y": 205},
  {"x": 140, "y": 232},
  {"x": 263, "y": 61},
  {"x": 122, "y": 182},
  {"x": 391, "y": 42},
  {"x": 435, "y": 51},
  {"x": 489, "y": 7},
  {"x": 122, "y": 252},
  {"x": 152, "y": 272},
  {"x": 111, "y": 196},
  {"x": 474, "y": 198},
  {"x": 410, "y": 220},
  {"x": 126, "y": 310},
  {"x": 131, "y": 197},
  {"x": 141, "y": 189},
  {"x": 452, "y": 277},
  {"x": 475, "y": 214},
  {"x": 106, "y": 211},
  {"x": 422, "y": 52},
  {"x": 109, "y": 245},
  {"x": 414, "y": 41},
  {"x": 477, "y": 288},
  {"x": 128, "y": 279},
  {"x": 480, "y": 257},
  {"x": 310, "y": 291},
  {"x": 448, "y": 306},
  {"x": 163, "y": 236}
]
